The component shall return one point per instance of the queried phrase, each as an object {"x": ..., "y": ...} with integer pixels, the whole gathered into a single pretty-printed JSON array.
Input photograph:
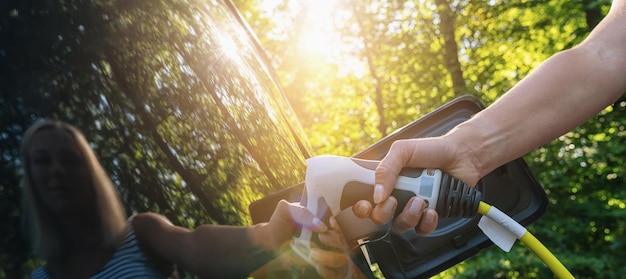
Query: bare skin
[
  {"x": 190, "y": 248},
  {"x": 64, "y": 187},
  {"x": 562, "y": 93}
]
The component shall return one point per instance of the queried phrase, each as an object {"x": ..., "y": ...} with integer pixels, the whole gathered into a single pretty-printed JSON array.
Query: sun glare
[
  {"x": 322, "y": 39},
  {"x": 318, "y": 36}
]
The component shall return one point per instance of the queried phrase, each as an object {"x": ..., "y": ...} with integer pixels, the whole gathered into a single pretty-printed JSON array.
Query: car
[
  {"x": 511, "y": 188},
  {"x": 189, "y": 117}
]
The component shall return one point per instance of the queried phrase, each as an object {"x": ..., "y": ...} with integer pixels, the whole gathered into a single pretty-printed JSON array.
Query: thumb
[
  {"x": 294, "y": 214},
  {"x": 389, "y": 167}
]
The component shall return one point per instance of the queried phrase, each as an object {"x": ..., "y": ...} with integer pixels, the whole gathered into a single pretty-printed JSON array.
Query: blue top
[{"x": 127, "y": 262}]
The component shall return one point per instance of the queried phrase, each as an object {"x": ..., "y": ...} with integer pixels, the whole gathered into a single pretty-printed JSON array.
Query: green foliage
[
  {"x": 585, "y": 182},
  {"x": 146, "y": 80},
  {"x": 184, "y": 125},
  {"x": 400, "y": 48}
]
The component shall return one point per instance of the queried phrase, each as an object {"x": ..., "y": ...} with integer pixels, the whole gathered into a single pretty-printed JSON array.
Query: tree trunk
[
  {"x": 451, "y": 50},
  {"x": 378, "y": 100}
]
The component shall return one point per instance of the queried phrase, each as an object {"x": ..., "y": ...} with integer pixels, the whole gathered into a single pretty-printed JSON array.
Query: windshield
[{"x": 175, "y": 96}]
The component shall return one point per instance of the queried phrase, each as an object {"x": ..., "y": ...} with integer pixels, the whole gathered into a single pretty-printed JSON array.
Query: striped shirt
[{"x": 127, "y": 262}]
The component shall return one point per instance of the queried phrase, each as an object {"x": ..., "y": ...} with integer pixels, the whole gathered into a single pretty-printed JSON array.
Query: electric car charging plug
[{"x": 334, "y": 183}]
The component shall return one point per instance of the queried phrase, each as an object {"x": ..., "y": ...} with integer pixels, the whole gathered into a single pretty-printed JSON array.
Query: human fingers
[
  {"x": 362, "y": 209},
  {"x": 333, "y": 237},
  {"x": 383, "y": 212},
  {"x": 417, "y": 153},
  {"x": 428, "y": 223},
  {"x": 328, "y": 258},
  {"x": 387, "y": 171},
  {"x": 333, "y": 265},
  {"x": 380, "y": 214},
  {"x": 287, "y": 216},
  {"x": 416, "y": 216},
  {"x": 301, "y": 216}
]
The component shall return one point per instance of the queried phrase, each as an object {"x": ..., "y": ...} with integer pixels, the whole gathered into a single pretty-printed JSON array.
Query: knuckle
[
  {"x": 362, "y": 209},
  {"x": 401, "y": 225},
  {"x": 383, "y": 170},
  {"x": 379, "y": 217}
]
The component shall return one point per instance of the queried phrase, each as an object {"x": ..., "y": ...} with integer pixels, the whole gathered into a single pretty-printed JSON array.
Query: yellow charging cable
[{"x": 527, "y": 238}]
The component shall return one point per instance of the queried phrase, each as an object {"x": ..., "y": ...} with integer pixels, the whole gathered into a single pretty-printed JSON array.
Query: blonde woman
[{"x": 77, "y": 224}]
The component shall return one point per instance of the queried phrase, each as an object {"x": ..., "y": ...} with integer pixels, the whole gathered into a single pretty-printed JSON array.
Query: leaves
[
  {"x": 402, "y": 46},
  {"x": 190, "y": 128},
  {"x": 185, "y": 125}
]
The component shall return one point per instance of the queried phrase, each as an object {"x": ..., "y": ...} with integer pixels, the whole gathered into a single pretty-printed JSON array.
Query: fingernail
[
  {"x": 416, "y": 206},
  {"x": 362, "y": 209},
  {"x": 429, "y": 217},
  {"x": 319, "y": 224},
  {"x": 378, "y": 193},
  {"x": 333, "y": 223},
  {"x": 388, "y": 205}
]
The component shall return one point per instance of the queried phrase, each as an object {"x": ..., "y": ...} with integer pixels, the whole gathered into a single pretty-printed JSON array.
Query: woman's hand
[
  {"x": 287, "y": 217},
  {"x": 437, "y": 152},
  {"x": 334, "y": 264}
]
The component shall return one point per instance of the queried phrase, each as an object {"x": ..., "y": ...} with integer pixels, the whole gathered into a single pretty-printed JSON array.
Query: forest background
[{"x": 353, "y": 71}]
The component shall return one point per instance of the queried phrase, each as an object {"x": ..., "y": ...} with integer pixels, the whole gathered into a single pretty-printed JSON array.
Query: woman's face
[{"x": 59, "y": 172}]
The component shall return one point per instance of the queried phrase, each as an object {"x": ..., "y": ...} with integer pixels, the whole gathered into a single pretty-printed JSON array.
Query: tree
[
  {"x": 408, "y": 61},
  {"x": 173, "y": 96}
]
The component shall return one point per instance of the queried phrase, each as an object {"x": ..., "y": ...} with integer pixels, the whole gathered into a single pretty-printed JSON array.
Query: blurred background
[{"x": 192, "y": 120}]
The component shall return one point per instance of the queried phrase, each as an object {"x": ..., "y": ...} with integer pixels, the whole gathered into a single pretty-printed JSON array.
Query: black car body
[{"x": 191, "y": 121}]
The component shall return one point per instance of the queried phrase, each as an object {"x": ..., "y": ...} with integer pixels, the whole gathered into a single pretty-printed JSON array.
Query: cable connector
[{"x": 456, "y": 199}]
